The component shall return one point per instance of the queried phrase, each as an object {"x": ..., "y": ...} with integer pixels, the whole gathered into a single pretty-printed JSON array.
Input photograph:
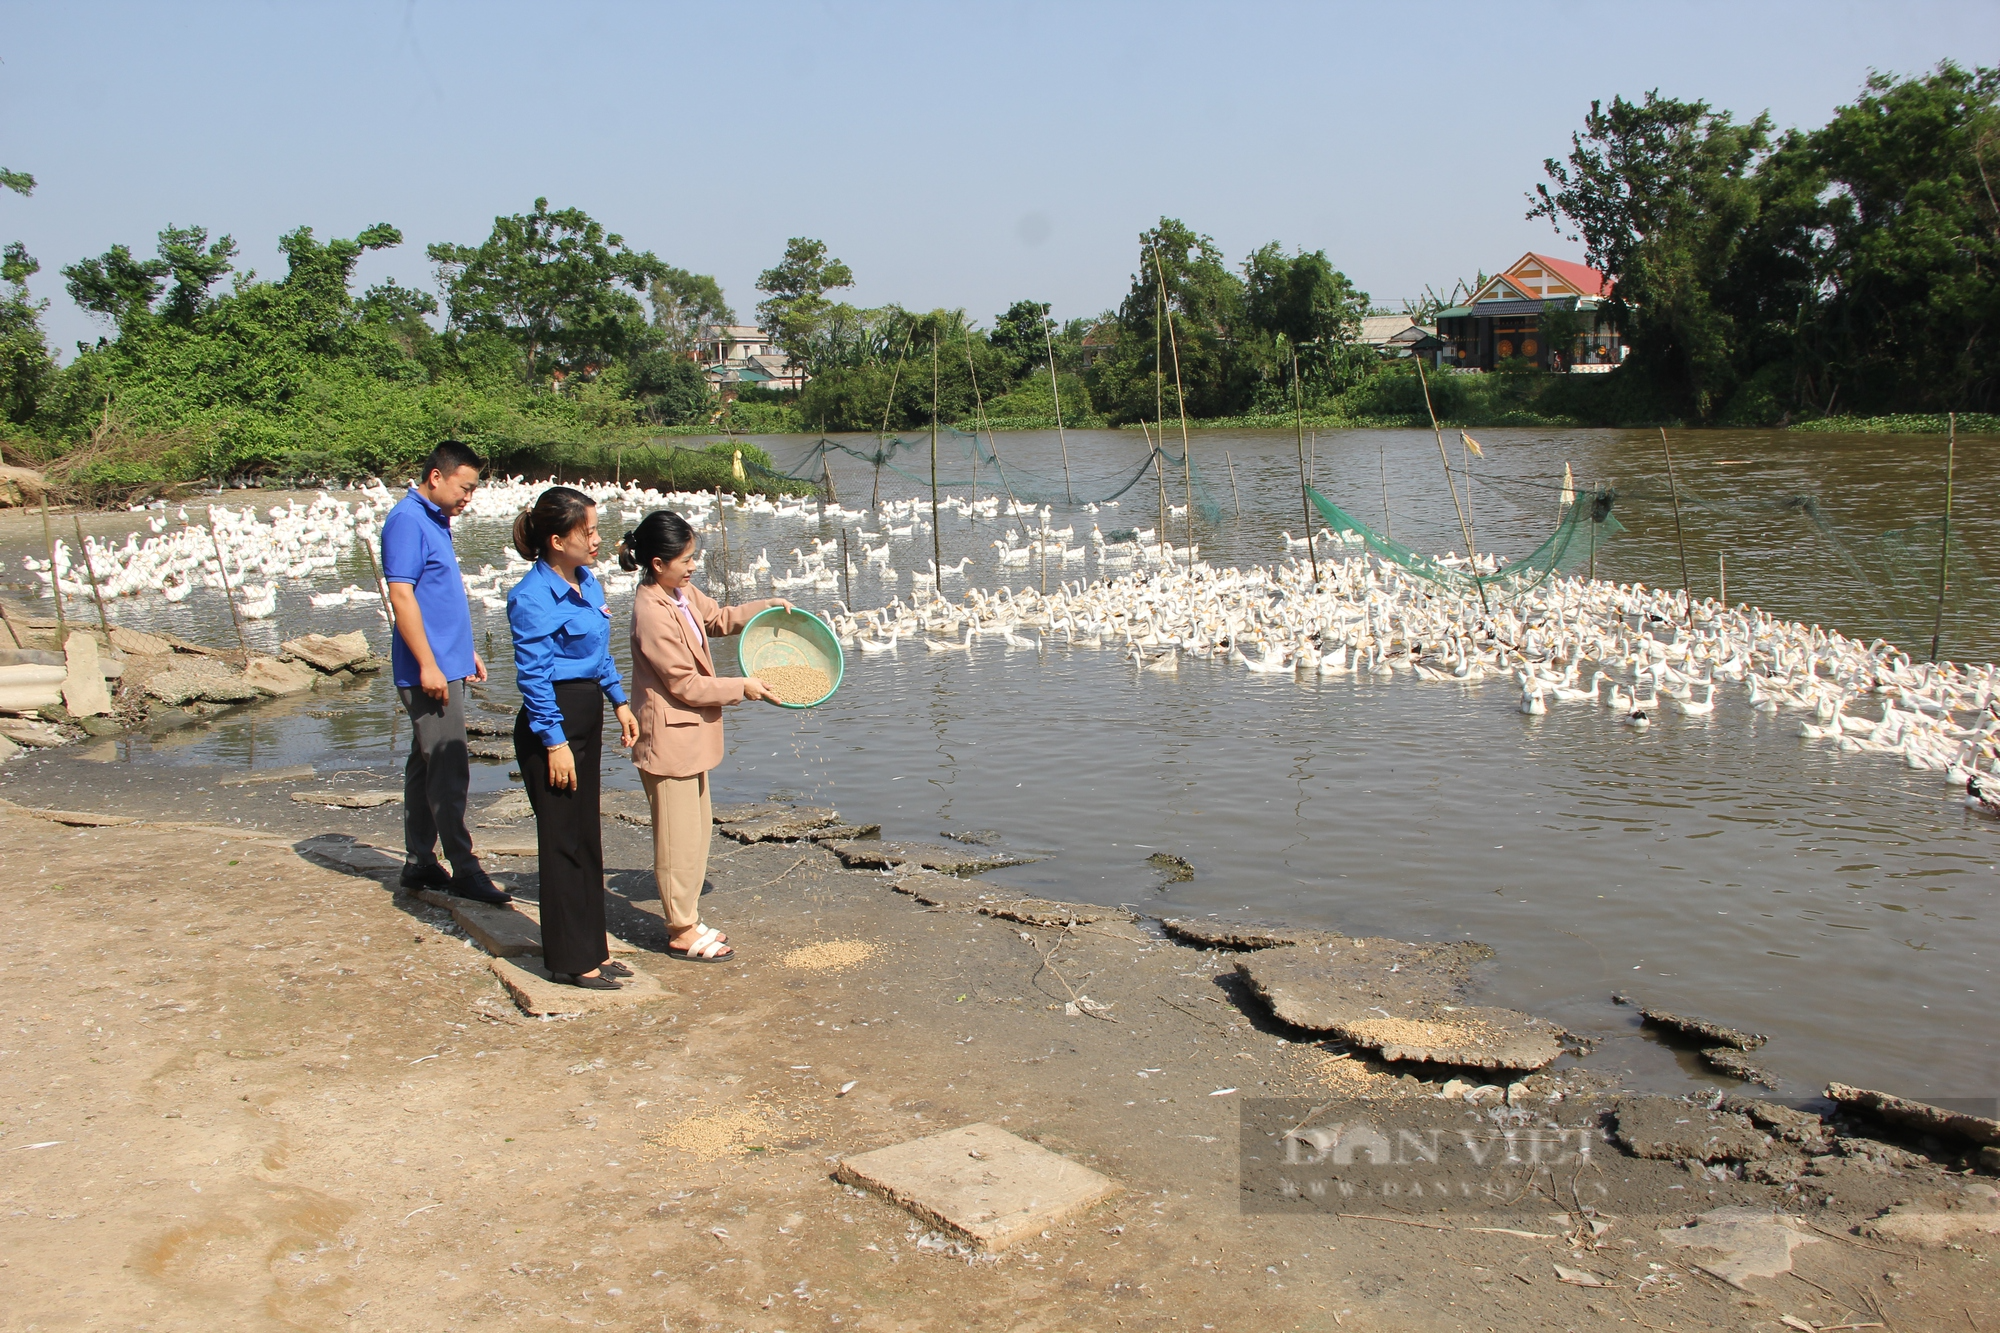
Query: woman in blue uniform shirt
[{"x": 563, "y": 666}]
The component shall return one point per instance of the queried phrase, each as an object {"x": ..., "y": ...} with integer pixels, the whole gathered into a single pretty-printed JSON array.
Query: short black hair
[{"x": 449, "y": 457}]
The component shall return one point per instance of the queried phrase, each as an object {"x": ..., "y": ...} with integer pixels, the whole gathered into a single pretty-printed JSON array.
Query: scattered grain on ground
[
  {"x": 709, "y": 1135},
  {"x": 829, "y": 956}
]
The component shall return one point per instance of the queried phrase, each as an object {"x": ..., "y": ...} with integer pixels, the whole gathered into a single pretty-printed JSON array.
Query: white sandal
[{"x": 708, "y": 947}]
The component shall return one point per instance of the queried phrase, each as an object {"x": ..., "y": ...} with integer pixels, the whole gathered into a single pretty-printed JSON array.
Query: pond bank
[{"x": 283, "y": 1093}]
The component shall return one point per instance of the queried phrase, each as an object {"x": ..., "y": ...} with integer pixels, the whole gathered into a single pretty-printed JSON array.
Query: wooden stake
[
  {"x": 1388, "y": 525},
  {"x": 1180, "y": 403},
  {"x": 723, "y": 523},
  {"x": 55, "y": 575},
  {"x": 1680, "y": 539},
  {"x": 228, "y": 594},
  {"x": 846, "y": 571},
  {"x": 1233, "y": 493},
  {"x": 381, "y": 586},
  {"x": 95, "y": 591},
  {"x": 888, "y": 404},
  {"x": 1056, "y": 388},
  {"x": 937, "y": 537},
  {"x": 1721, "y": 581},
  {"x": 1944, "y": 541},
  {"x": 1305, "y": 491},
  {"x": 1444, "y": 458}
]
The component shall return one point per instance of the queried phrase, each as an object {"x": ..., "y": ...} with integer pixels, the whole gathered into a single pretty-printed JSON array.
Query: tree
[
  {"x": 670, "y": 388},
  {"x": 1662, "y": 194},
  {"x": 795, "y": 310},
  {"x": 564, "y": 290},
  {"x": 1023, "y": 334},
  {"x": 1306, "y": 302},
  {"x": 1204, "y": 302},
  {"x": 194, "y": 270},
  {"x": 25, "y": 363},
  {"x": 682, "y": 303},
  {"x": 1912, "y": 243},
  {"x": 115, "y": 285}
]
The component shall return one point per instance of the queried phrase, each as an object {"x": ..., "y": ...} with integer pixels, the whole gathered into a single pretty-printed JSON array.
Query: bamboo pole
[
  {"x": 55, "y": 575},
  {"x": 381, "y": 586},
  {"x": 1388, "y": 525},
  {"x": 979, "y": 405},
  {"x": 1944, "y": 541},
  {"x": 222, "y": 568},
  {"x": 894, "y": 379},
  {"x": 1437, "y": 432},
  {"x": 1234, "y": 494},
  {"x": 846, "y": 569},
  {"x": 1056, "y": 388},
  {"x": 1721, "y": 580},
  {"x": 1180, "y": 403},
  {"x": 723, "y": 523},
  {"x": 95, "y": 591},
  {"x": 1680, "y": 538},
  {"x": 937, "y": 538},
  {"x": 1305, "y": 486}
]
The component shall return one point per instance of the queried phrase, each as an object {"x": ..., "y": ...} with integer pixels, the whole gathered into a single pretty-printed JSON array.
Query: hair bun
[{"x": 627, "y": 560}]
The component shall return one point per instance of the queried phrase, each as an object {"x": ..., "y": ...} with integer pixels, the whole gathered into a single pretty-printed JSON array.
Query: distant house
[
  {"x": 1398, "y": 335},
  {"x": 1099, "y": 341},
  {"x": 733, "y": 355},
  {"x": 1504, "y": 319}
]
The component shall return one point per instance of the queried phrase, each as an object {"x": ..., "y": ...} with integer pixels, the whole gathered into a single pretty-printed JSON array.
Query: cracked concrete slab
[{"x": 980, "y": 1182}]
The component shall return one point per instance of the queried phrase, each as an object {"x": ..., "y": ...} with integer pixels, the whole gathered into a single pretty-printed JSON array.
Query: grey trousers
[{"x": 436, "y": 779}]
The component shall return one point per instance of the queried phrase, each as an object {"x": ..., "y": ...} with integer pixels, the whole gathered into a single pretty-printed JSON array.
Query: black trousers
[{"x": 568, "y": 838}]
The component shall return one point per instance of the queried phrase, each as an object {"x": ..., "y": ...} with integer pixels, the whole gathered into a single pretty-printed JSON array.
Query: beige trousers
[{"x": 682, "y": 827}]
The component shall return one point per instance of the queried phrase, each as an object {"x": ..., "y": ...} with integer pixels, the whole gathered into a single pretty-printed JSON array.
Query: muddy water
[{"x": 1722, "y": 865}]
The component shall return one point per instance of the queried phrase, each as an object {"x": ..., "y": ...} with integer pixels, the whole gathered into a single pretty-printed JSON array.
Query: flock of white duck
[{"x": 1646, "y": 652}]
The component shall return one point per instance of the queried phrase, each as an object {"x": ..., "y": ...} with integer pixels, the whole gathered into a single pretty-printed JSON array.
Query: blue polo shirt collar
[{"x": 438, "y": 516}]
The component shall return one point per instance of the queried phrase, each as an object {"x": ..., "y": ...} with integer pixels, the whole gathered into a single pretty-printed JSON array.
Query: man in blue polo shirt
[{"x": 433, "y": 659}]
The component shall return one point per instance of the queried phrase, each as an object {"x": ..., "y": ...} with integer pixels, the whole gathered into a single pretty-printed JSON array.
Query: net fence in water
[
  {"x": 1585, "y": 526},
  {"x": 967, "y": 460}
]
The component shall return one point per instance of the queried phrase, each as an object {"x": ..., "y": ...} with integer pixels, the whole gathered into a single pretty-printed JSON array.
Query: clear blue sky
[{"x": 953, "y": 154}]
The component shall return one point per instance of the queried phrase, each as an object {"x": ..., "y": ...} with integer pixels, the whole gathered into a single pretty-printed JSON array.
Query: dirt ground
[{"x": 253, "y": 1090}]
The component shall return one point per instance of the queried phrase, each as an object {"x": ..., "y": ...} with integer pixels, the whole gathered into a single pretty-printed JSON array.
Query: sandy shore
[{"x": 256, "y": 1088}]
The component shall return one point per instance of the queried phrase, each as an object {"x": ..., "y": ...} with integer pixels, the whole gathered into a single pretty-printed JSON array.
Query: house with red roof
[{"x": 1503, "y": 320}]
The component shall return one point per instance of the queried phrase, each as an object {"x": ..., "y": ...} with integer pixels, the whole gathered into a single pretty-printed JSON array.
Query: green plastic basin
[{"x": 776, "y": 637}]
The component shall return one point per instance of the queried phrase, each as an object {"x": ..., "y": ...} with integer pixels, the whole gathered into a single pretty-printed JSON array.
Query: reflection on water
[{"x": 1718, "y": 864}]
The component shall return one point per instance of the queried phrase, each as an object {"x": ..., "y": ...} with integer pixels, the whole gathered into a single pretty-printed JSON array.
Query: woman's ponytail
[{"x": 558, "y": 511}]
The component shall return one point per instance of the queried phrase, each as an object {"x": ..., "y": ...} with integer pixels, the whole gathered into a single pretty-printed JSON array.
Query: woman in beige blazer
[{"x": 679, "y": 699}]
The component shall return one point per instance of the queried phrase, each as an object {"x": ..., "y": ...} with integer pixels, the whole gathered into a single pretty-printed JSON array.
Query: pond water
[{"x": 1719, "y": 865}]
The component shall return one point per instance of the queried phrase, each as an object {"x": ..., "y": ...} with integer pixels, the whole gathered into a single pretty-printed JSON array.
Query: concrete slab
[
  {"x": 31, "y": 732},
  {"x": 511, "y": 807},
  {"x": 279, "y": 679},
  {"x": 846, "y": 832},
  {"x": 980, "y": 1182},
  {"x": 329, "y": 652},
  {"x": 1242, "y": 936},
  {"x": 872, "y": 855},
  {"x": 139, "y": 642},
  {"x": 786, "y": 826},
  {"x": 626, "y": 806},
  {"x": 348, "y": 800},
  {"x": 1398, "y": 999},
  {"x": 1733, "y": 1062},
  {"x": 528, "y": 982},
  {"x": 1698, "y": 1029},
  {"x": 508, "y": 849},
  {"x": 83, "y": 691},
  {"x": 736, "y": 814},
  {"x": 345, "y": 852},
  {"x": 501, "y": 931},
  {"x": 1922, "y": 1116},
  {"x": 1670, "y": 1129},
  {"x": 258, "y": 776}
]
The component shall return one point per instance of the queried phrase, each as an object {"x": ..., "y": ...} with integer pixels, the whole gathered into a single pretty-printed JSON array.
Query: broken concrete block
[
  {"x": 871, "y": 855},
  {"x": 31, "y": 732},
  {"x": 278, "y": 679},
  {"x": 1213, "y": 933},
  {"x": 27, "y": 686},
  {"x": 528, "y": 982},
  {"x": 1700, "y": 1029},
  {"x": 348, "y": 800},
  {"x": 199, "y": 680},
  {"x": 139, "y": 643},
  {"x": 1751, "y": 1242},
  {"x": 785, "y": 826},
  {"x": 83, "y": 689},
  {"x": 980, "y": 1182},
  {"x": 501, "y": 931},
  {"x": 8, "y": 749},
  {"x": 1733, "y": 1062},
  {"x": 511, "y": 806},
  {"x": 1916, "y": 1115},
  {"x": 256, "y": 777},
  {"x": 329, "y": 653},
  {"x": 1668, "y": 1129},
  {"x": 845, "y": 832},
  {"x": 736, "y": 814},
  {"x": 1399, "y": 1000}
]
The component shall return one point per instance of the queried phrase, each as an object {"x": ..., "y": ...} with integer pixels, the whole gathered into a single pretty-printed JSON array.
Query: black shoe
[
  {"x": 584, "y": 983},
  {"x": 479, "y": 889},
  {"x": 429, "y": 875}
]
